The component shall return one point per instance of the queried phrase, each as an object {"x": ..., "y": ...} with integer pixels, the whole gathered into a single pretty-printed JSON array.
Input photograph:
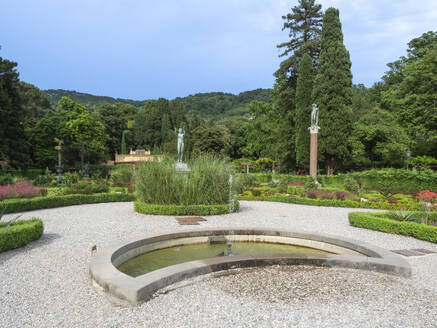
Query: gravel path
[{"x": 46, "y": 283}]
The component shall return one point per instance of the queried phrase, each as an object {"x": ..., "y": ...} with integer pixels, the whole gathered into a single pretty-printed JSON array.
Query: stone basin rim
[{"x": 136, "y": 290}]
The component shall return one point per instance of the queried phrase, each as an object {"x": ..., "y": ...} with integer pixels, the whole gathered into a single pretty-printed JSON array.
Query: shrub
[
  {"x": 310, "y": 184},
  {"x": 44, "y": 179},
  {"x": 86, "y": 188},
  {"x": 374, "y": 222},
  {"x": 282, "y": 186},
  {"x": 184, "y": 209},
  {"x": 122, "y": 175},
  {"x": 206, "y": 183},
  {"x": 21, "y": 205},
  {"x": 6, "y": 179},
  {"x": 297, "y": 184},
  {"x": 402, "y": 215},
  {"x": 350, "y": 184},
  {"x": 344, "y": 195},
  {"x": 246, "y": 180},
  {"x": 19, "y": 233},
  {"x": 255, "y": 192}
]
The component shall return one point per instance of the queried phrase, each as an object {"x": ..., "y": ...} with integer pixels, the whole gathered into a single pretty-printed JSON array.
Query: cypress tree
[
  {"x": 303, "y": 111},
  {"x": 332, "y": 93}
]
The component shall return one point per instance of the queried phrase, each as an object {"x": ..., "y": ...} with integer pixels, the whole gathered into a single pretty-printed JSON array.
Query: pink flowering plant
[{"x": 21, "y": 189}]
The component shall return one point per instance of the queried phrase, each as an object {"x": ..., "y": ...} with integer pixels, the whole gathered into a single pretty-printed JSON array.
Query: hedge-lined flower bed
[
  {"x": 323, "y": 202},
  {"x": 379, "y": 222},
  {"x": 155, "y": 209},
  {"x": 19, "y": 233},
  {"x": 21, "y": 205}
]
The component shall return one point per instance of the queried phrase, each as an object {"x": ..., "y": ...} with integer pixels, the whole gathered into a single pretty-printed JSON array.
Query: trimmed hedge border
[
  {"x": 322, "y": 202},
  {"x": 29, "y": 204},
  {"x": 20, "y": 233},
  {"x": 377, "y": 222},
  {"x": 155, "y": 209}
]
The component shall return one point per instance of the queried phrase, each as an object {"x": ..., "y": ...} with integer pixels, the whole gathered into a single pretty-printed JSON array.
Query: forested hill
[
  {"x": 211, "y": 104},
  {"x": 85, "y": 98}
]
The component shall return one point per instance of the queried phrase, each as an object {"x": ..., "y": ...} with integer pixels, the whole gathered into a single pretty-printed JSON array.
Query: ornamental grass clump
[{"x": 206, "y": 183}]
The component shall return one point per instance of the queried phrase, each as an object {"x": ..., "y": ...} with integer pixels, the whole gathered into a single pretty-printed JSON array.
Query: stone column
[{"x": 314, "y": 130}]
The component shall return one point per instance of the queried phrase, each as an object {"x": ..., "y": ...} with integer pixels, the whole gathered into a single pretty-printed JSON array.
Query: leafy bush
[
  {"x": 206, "y": 183},
  {"x": 255, "y": 192},
  {"x": 29, "y": 204},
  {"x": 246, "y": 180},
  {"x": 71, "y": 177},
  {"x": 402, "y": 215},
  {"x": 86, "y": 188},
  {"x": 184, "y": 209},
  {"x": 310, "y": 183},
  {"x": 19, "y": 233},
  {"x": 350, "y": 184},
  {"x": 283, "y": 184},
  {"x": 6, "y": 179},
  {"x": 122, "y": 175},
  {"x": 374, "y": 222}
]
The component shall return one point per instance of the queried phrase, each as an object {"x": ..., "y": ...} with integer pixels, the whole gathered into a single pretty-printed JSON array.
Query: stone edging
[{"x": 136, "y": 290}]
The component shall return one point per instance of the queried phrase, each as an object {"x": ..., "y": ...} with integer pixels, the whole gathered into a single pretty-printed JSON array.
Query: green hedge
[
  {"x": 28, "y": 204},
  {"x": 396, "y": 179},
  {"x": 323, "y": 202},
  {"x": 183, "y": 209},
  {"x": 376, "y": 222},
  {"x": 19, "y": 233}
]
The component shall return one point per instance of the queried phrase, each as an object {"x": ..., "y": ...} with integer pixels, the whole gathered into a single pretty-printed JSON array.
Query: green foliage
[
  {"x": 322, "y": 202},
  {"x": 20, "y": 233},
  {"x": 373, "y": 222},
  {"x": 114, "y": 123},
  {"x": 303, "y": 112},
  {"x": 310, "y": 183},
  {"x": 6, "y": 179},
  {"x": 410, "y": 92},
  {"x": 183, "y": 209},
  {"x": 14, "y": 147},
  {"x": 210, "y": 139},
  {"x": 423, "y": 161},
  {"x": 122, "y": 174},
  {"x": 350, "y": 184},
  {"x": 402, "y": 215},
  {"x": 21, "y": 205},
  {"x": 86, "y": 188},
  {"x": 283, "y": 184},
  {"x": 333, "y": 93},
  {"x": 206, "y": 183}
]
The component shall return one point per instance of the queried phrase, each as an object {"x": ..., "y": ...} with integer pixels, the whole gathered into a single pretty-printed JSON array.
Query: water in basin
[{"x": 161, "y": 258}]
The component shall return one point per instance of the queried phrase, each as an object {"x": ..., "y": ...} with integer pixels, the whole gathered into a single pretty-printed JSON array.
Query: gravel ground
[{"x": 46, "y": 283}]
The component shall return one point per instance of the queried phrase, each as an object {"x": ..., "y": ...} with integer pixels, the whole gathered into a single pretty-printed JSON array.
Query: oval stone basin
[{"x": 162, "y": 258}]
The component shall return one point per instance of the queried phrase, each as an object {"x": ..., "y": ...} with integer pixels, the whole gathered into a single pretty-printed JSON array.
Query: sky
[{"x": 144, "y": 49}]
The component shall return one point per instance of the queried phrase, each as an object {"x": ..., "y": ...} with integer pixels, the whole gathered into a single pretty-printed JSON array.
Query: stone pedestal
[
  {"x": 182, "y": 167},
  {"x": 314, "y": 130}
]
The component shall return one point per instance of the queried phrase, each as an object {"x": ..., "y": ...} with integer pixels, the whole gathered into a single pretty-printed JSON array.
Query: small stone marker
[{"x": 190, "y": 220}]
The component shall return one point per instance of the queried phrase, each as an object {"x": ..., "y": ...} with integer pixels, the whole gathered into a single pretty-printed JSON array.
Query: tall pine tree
[
  {"x": 303, "y": 112},
  {"x": 304, "y": 25},
  {"x": 332, "y": 92}
]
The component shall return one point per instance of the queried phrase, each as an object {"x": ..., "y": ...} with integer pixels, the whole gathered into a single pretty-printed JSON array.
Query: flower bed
[{"x": 22, "y": 189}]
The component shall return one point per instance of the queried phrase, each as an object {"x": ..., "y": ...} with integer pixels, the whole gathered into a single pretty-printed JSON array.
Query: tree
[
  {"x": 260, "y": 131},
  {"x": 303, "y": 112},
  {"x": 210, "y": 138},
  {"x": 332, "y": 92},
  {"x": 73, "y": 124},
  {"x": 13, "y": 145},
  {"x": 379, "y": 138},
  {"x": 115, "y": 123},
  {"x": 304, "y": 24},
  {"x": 410, "y": 92}
]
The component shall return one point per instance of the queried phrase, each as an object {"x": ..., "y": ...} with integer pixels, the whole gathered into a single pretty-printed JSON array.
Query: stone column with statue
[{"x": 314, "y": 130}]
